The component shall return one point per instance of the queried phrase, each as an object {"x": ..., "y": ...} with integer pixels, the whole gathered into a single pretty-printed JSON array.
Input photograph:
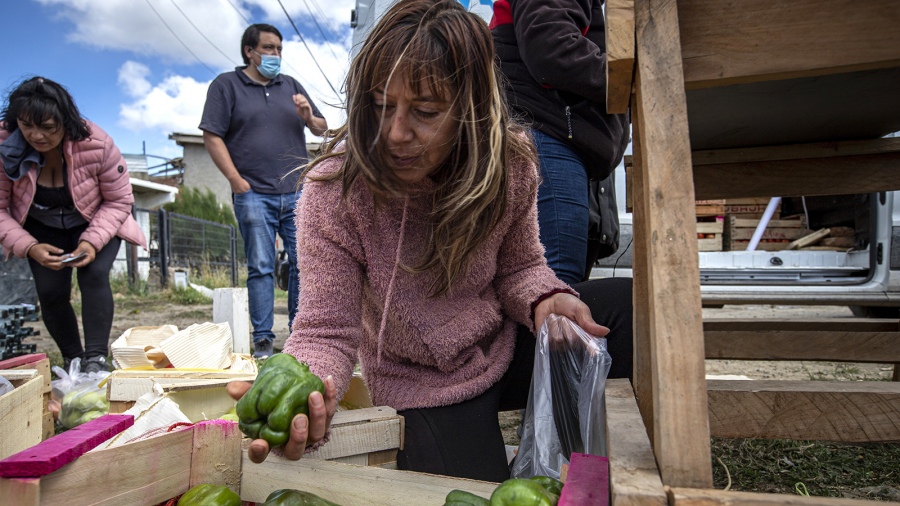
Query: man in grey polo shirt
[{"x": 253, "y": 127}]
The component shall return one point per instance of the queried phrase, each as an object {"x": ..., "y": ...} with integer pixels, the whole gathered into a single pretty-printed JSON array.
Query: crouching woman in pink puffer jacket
[{"x": 65, "y": 202}]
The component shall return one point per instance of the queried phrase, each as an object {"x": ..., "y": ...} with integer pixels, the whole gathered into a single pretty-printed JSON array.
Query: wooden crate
[
  {"x": 21, "y": 412},
  {"x": 709, "y": 234},
  {"x": 709, "y": 207},
  {"x": 41, "y": 363},
  {"x": 211, "y": 452},
  {"x": 201, "y": 395}
]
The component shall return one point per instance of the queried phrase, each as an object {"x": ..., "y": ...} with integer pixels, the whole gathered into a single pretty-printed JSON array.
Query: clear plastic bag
[
  {"x": 82, "y": 395},
  {"x": 5, "y": 386},
  {"x": 566, "y": 409}
]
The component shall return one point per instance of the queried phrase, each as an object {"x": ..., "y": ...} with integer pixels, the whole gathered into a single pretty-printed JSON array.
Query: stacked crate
[
  {"x": 742, "y": 216},
  {"x": 13, "y": 330},
  {"x": 710, "y": 224}
]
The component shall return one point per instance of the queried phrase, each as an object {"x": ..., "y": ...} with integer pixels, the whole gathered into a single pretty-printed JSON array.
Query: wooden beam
[
  {"x": 681, "y": 424},
  {"x": 726, "y": 42},
  {"x": 633, "y": 476},
  {"x": 619, "y": 54},
  {"x": 847, "y": 411},
  {"x": 799, "y": 169},
  {"x": 643, "y": 375},
  {"x": 835, "y": 346},
  {"x": 809, "y": 324},
  {"x": 707, "y": 497},
  {"x": 351, "y": 485}
]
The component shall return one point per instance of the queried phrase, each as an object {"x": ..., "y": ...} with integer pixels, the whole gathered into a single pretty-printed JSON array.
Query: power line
[
  {"x": 328, "y": 23},
  {"x": 315, "y": 20},
  {"x": 241, "y": 14},
  {"x": 311, "y": 55},
  {"x": 201, "y": 33},
  {"x": 179, "y": 38}
]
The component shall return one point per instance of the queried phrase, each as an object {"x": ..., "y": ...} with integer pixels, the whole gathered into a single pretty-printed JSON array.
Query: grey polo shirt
[{"x": 260, "y": 126}]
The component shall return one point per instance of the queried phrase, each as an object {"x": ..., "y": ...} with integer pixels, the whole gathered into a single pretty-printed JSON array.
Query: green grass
[{"x": 824, "y": 469}]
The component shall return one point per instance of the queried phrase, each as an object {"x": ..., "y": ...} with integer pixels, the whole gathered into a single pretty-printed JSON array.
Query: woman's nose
[{"x": 400, "y": 130}]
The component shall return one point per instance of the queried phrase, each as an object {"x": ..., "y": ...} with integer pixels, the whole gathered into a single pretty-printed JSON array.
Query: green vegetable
[
  {"x": 280, "y": 393},
  {"x": 230, "y": 415},
  {"x": 290, "y": 497},
  {"x": 81, "y": 406},
  {"x": 552, "y": 485},
  {"x": 522, "y": 492},
  {"x": 463, "y": 498},
  {"x": 209, "y": 495}
]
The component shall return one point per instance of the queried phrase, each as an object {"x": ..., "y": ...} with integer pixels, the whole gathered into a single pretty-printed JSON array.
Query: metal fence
[{"x": 184, "y": 242}]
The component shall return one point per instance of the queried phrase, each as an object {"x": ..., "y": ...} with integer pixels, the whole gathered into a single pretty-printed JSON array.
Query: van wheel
[{"x": 875, "y": 311}]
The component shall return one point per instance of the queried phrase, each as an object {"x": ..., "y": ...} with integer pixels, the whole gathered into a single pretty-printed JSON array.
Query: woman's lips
[{"x": 404, "y": 161}]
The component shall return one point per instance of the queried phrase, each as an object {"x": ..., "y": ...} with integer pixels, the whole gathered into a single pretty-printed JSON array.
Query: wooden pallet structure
[
  {"x": 807, "y": 89},
  {"x": 59, "y": 471}
]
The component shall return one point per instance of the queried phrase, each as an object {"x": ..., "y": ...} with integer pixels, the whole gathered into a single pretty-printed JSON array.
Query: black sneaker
[
  {"x": 263, "y": 349},
  {"x": 96, "y": 364}
]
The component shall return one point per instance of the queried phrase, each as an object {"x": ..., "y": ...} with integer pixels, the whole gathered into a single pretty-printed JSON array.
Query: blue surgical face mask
[{"x": 269, "y": 65}]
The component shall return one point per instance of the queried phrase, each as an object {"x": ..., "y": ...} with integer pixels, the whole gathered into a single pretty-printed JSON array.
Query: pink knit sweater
[{"x": 355, "y": 301}]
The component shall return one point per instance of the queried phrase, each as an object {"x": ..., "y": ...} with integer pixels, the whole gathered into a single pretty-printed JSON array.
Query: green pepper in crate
[
  {"x": 463, "y": 498},
  {"x": 552, "y": 485},
  {"x": 291, "y": 497},
  {"x": 209, "y": 495},
  {"x": 522, "y": 492},
  {"x": 280, "y": 393}
]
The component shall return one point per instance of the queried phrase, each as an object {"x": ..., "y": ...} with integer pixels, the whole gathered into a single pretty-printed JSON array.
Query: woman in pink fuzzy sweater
[{"x": 418, "y": 249}]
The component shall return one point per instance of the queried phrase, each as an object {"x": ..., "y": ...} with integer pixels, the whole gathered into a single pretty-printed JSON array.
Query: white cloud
[
  {"x": 196, "y": 31},
  {"x": 172, "y": 105}
]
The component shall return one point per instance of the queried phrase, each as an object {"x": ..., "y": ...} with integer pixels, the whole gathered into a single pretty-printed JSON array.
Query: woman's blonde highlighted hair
[{"x": 440, "y": 47}]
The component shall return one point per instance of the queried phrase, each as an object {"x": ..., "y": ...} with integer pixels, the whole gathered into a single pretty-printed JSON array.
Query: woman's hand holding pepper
[{"x": 304, "y": 431}]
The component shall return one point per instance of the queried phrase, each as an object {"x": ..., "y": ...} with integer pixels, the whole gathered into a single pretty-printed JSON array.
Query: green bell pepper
[
  {"x": 552, "y": 485},
  {"x": 463, "y": 498},
  {"x": 291, "y": 497},
  {"x": 209, "y": 495},
  {"x": 522, "y": 492},
  {"x": 280, "y": 393}
]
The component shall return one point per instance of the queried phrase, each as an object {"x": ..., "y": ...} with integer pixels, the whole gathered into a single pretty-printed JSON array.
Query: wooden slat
[
  {"x": 836, "y": 346},
  {"x": 47, "y": 456},
  {"x": 216, "y": 457},
  {"x": 145, "y": 472},
  {"x": 708, "y": 497},
  {"x": 619, "y": 54},
  {"x": 805, "y": 176},
  {"x": 21, "y": 491},
  {"x": 681, "y": 427},
  {"x": 350, "y": 485},
  {"x": 129, "y": 385},
  {"x": 726, "y": 42},
  {"x": 21, "y": 414},
  {"x": 586, "y": 481},
  {"x": 361, "y": 431},
  {"x": 809, "y": 324},
  {"x": 852, "y": 411},
  {"x": 633, "y": 476}
]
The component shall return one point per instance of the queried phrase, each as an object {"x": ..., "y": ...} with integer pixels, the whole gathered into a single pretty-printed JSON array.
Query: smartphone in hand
[{"x": 72, "y": 258}]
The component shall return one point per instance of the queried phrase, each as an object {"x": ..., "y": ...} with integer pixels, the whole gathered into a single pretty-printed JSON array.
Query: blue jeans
[
  {"x": 259, "y": 217},
  {"x": 563, "y": 207}
]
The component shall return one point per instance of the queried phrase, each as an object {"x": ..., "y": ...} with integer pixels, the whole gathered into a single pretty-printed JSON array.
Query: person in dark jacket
[{"x": 553, "y": 55}]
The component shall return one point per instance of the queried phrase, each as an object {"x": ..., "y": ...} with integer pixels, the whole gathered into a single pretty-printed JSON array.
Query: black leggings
[
  {"x": 464, "y": 440},
  {"x": 54, "y": 289}
]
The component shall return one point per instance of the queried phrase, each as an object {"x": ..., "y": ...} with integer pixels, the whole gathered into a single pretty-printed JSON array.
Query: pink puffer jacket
[{"x": 100, "y": 186}]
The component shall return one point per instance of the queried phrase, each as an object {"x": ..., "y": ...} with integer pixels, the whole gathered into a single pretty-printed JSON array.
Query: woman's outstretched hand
[
  {"x": 305, "y": 430},
  {"x": 570, "y": 306}
]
